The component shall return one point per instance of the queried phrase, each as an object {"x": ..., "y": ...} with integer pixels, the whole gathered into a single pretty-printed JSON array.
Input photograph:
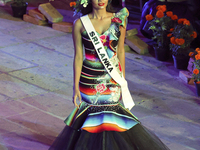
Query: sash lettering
[
  {"x": 102, "y": 56},
  {"x": 105, "y": 61},
  {"x": 92, "y": 34},
  {"x": 107, "y": 64},
  {"x": 98, "y": 49},
  {"x": 94, "y": 38}
]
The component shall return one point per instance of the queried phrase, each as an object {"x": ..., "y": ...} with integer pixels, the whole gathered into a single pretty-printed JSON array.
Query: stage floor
[{"x": 36, "y": 87}]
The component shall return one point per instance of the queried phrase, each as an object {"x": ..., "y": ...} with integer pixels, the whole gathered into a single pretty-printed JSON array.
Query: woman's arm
[
  {"x": 120, "y": 49},
  {"x": 78, "y": 59}
]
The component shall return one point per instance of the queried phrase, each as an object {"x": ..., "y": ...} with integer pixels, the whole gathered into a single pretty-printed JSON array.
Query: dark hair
[{"x": 86, "y": 10}]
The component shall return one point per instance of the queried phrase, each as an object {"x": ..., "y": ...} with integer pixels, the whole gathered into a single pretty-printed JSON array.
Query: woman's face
[{"x": 99, "y": 4}]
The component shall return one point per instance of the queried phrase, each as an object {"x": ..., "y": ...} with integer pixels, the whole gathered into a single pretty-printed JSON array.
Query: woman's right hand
[{"x": 76, "y": 94}]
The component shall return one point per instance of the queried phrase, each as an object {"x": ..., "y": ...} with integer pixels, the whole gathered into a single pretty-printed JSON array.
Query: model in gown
[{"x": 101, "y": 122}]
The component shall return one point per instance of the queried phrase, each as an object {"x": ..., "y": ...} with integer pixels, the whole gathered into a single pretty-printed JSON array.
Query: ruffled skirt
[{"x": 108, "y": 127}]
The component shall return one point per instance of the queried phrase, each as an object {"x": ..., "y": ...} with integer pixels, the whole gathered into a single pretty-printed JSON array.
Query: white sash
[{"x": 103, "y": 56}]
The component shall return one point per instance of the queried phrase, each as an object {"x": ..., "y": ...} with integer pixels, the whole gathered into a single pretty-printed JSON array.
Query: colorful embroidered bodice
[{"x": 96, "y": 85}]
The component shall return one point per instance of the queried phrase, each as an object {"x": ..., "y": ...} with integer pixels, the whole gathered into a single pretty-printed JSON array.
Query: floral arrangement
[
  {"x": 181, "y": 37},
  {"x": 161, "y": 24},
  {"x": 196, "y": 71}
]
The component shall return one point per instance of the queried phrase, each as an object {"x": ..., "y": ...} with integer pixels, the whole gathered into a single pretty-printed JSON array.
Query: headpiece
[
  {"x": 78, "y": 5},
  {"x": 84, "y": 3}
]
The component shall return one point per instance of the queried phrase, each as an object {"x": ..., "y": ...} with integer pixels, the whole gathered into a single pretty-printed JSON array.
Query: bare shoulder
[{"x": 77, "y": 25}]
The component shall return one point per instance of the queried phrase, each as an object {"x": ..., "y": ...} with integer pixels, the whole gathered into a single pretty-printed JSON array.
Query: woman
[{"x": 101, "y": 122}]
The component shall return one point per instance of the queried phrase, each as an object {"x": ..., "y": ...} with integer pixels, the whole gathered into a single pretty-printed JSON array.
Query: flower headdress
[{"x": 78, "y": 6}]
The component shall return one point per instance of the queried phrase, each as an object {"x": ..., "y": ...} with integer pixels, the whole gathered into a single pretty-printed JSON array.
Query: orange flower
[
  {"x": 197, "y": 49},
  {"x": 162, "y": 8},
  {"x": 169, "y": 35},
  {"x": 179, "y": 41},
  {"x": 158, "y": 7},
  {"x": 169, "y": 13},
  {"x": 172, "y": 29},
  {"x": 172, "y": 40},
  {"x": 198, "y": 82},
  {"x": 181, "y": 20},
  {"x": 174, "y": 17},
  {"x": 149, "y": 17},
  {"x": 191, "y": 54},
  {"x": 194, "y": 34},
  {"x": 159, "y": 14},
  {"x": 196, "y": 71},
  {"x": 186, "y": 22},
  {"x": 71, "y": 4},
  {"x": 197, "y": 57}
]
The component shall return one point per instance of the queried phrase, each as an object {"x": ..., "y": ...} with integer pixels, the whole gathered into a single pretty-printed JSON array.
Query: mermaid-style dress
[{"x": 101, "y": 122}]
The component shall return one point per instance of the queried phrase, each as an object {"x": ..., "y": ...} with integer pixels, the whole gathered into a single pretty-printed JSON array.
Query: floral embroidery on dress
[
  {"x": 105, "y": 40},
  {"x": 100, "y": 88},
  {"x": 117, "y": 20},
  {"x": 115, "y": 93},
  {"x": 121, "y": 17},
  {"x": 120, "y": 68}
]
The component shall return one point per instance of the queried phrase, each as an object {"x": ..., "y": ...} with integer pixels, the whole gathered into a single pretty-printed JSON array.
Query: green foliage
[
  {"x": 197, "y": 66},
  {"x": 160, "y": 28},
  {"x": 182, "y": 32}
]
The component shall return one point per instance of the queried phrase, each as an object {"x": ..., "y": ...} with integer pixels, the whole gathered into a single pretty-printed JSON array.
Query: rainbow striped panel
[{"x": 108, "y": 121}]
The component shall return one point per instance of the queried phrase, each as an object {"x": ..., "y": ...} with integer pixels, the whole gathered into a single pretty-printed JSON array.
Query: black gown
[{"x": 102, "y": 122}]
